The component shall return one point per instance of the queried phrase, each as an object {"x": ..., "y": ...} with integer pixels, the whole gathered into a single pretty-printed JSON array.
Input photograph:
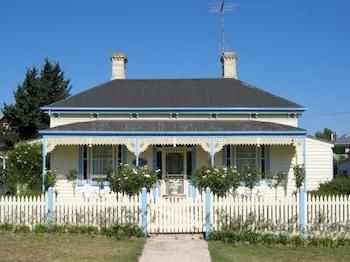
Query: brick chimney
[
  {"x": 229, "y": 61},
  {"x": 119, "y": 61}
]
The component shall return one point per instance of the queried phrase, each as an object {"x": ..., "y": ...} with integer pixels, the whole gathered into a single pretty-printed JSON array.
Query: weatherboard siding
[
  {"x": 319, "y": 163},
  {"x": 69, "y": 119},
  {"x": 63, "y": 159}
]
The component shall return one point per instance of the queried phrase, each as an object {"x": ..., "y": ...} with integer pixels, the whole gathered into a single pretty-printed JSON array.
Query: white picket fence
[
  {"x": 178, "y": 214},
  {"x": 23, "y": 210},
  {"x": 107, "y": 210}
]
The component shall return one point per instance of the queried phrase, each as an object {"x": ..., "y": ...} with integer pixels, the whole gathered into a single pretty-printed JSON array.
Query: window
[
  {"x": 120, "y": 157},
  {"x": 102, "y": 159},
  {"x": 85, "y": 162},
  {"x": 243, "y": 155},
  {"x": 228, "y": 156},
  {"x": 189, "y": 163}
]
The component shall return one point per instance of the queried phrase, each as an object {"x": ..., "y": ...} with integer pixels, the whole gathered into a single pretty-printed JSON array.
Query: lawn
[
  {"x": 66, "y": 247},
  {"x": 220, "y": 251}
]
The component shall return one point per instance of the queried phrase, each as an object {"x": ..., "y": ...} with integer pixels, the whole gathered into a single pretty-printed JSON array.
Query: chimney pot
[
  {"x": 229, "y": 63},
  {"x": 119, "y": 61}
]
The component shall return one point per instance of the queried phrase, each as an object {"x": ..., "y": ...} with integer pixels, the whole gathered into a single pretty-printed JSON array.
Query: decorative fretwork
[{"x": 144, "y": 142}]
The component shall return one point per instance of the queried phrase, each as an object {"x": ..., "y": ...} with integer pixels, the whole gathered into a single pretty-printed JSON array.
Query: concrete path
[{"x": 179, "y": 248}]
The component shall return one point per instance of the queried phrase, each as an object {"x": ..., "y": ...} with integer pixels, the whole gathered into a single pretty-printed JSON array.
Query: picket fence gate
[{"x": 178, "y": 214}]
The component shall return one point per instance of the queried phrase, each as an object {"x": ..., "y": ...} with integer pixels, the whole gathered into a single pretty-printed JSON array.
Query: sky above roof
[{"x": 295, "y": 49}]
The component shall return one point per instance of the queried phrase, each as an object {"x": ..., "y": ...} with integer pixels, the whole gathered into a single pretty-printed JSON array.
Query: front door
[{"x": 174, "y": 171}]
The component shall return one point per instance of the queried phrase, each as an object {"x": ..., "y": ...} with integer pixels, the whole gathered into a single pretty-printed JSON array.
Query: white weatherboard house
[{"x": 177, "y": 126}]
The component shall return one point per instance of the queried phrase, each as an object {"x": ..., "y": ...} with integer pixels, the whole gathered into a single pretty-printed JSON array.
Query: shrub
[
  {"x": 130, "y": 180},
  {"x": 338, "y": 186},
  {"x": 72, "y": 177},
  {"x": 299, "y": 175},
  {"x": 121, "y": 231},
  {"x": 6, "y": 227},
  {"x": 21, "y": 229},
  {"x": 24, "y": 168},
  {"x": 250, "y": 176},
  {"x": 50, "y": 179},
  {"x": 220, "y": 181},
  {"x": 91, "y": 230},
  {"x": 251, "y": 237}
]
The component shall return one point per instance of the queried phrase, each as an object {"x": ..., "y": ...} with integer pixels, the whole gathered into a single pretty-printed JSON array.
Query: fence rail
[{"x": 173, "y": 214}]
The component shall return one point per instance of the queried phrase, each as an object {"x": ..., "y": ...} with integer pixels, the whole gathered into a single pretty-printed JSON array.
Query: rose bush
[
  {"x": 131, "y": 180},
  {"x": 220, "y": 181}
]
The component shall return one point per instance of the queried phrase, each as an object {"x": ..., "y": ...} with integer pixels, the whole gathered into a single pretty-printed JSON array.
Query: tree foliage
[
  {"x": 338, "y": 186},
  {"x": 8, "y": 138},
  {"x": 39, "y": 88},
  {"x": 24, "y": 168},
  {"x": 326, "y": 134}
]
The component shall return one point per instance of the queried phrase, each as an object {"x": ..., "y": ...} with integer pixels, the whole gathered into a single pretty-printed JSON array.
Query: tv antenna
[{"x": 221, "y": 8}]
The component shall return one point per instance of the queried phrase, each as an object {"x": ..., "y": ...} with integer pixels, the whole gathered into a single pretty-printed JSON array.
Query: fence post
[
  {"x": 50, "y": 205},
  {"x": 303, "y": 199},
  {"x": 208, "y": 210},
  {"x": 144, "y": 210},
  {"x": 303, "y": 213}
]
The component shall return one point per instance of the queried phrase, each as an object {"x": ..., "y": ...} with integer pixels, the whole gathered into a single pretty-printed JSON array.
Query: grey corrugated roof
[
  {"x": 174, "y": 126},
  {"x": 343, "y": 140},
  {"x": 186, "y": 93}
]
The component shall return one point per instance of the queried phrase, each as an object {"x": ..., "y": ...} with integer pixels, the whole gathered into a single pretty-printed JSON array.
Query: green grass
[
  {"x": 220, "y": 251},
  {"x": 67, "y": 247}
]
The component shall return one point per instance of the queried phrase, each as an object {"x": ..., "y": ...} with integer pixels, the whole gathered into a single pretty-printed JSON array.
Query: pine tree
[{"x": 37, "y": 90}]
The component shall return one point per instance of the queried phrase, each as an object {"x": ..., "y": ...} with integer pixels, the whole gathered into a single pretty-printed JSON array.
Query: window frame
[{"x": 261, "y": 157}]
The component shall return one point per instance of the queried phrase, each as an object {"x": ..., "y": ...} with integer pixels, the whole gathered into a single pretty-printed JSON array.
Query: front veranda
[{"x": 175, "y": 156}]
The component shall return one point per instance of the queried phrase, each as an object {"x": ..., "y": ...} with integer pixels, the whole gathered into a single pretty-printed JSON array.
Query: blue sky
[{"x": 293, "y": 48}]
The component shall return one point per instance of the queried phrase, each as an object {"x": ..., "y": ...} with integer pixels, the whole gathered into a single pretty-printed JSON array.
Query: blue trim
[
  {"x": 80, "y": 162},
  {"x": 303, "y": 199},
  {"x": 212, "y": 153},
  {"x": 170, "y": 133},
  {"x": 144, "y": 210},
  {"x": 43, "y": 165},
  {"x": 137, "y": 153},
  {"x": 208, "y": 210},
  {"x": 50, "y": 206},
  {"x": 247, "y": 110}
]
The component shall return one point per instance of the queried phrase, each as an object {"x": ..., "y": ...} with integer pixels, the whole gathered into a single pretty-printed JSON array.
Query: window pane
[
  {"x": 245, "y": 156},
  {"x": 174, "y": 163},
  {"x": 101, "y": 159},
  {"x": 228, "y": 155},
  {"x": 189, "y": 164}
]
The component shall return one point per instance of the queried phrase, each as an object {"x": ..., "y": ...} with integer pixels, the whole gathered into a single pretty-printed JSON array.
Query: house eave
[
  {"x": 228, "y": 110},
  {"x": 45, "y": 133}
]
